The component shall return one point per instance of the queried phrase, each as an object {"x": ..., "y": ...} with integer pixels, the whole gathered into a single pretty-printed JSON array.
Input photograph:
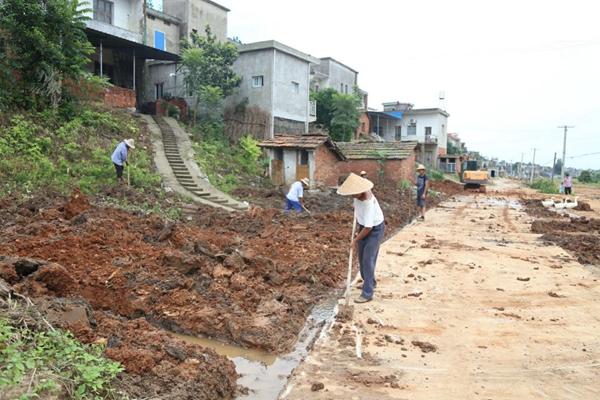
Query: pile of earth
[
  {"x": 578, "y": 235},
  {"x": 156, "y": 364},
  {"x": 246, "y": 278}
]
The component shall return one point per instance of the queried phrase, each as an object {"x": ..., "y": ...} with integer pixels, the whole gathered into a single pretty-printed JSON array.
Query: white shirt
[
  {"x": 296, "y": 191},
  {"x": 368, "y": 213}
]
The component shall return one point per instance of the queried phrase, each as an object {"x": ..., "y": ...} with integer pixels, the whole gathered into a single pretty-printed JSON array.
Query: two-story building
[
  {"x": 137, "y": 47},
  {"x": 401, "y": 122},
  {"x": 275, "y": 80},
  {"x": 177, "y": 21},
  {"x": 330, "y": 73}
]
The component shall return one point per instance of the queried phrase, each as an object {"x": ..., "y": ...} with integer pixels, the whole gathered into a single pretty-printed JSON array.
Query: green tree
[
  {"x": 42, "y": 44},
  {"x": 208, "y": 63},
  {"x": 345, "y": 117},
  {"x": 585, "y": 176},
  {"x": 325, "y": 106},
  {"x": 453, "y": 150},
  {"x": 558, "y": 166}
]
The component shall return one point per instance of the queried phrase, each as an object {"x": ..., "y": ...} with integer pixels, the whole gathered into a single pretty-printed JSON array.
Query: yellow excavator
[{"x": 473, "y": 177}]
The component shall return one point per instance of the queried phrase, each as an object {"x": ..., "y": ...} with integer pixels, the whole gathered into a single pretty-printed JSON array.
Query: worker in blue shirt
[{"x": 119, "y": 156}]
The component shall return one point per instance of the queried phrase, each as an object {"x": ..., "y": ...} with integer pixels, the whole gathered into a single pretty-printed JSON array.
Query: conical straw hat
[{"x": 354, "y": 184}]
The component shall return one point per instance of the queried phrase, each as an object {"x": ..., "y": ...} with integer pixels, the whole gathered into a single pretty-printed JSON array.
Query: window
[
  {"x": 398, "y": 134},
  {"x": 346, "y": 89},
  {"x": 316, "y": 88},
  {"x": 159, "y": 41},
  {"x": 159, "y": 89},
  {"x": 278, "y": 154},
  {"x": 411, "y": 129},
  {"x": 427, "y": 131},
  {"x": 341, "y": 88},
  {"x": 103, "y": 11},
  {"x": 296, "y": 87},
  {"x": 303, "y": 157},
  {"x": 258, "y": 81}
]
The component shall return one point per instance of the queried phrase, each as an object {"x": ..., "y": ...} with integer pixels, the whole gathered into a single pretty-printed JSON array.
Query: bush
[
  {"x": 436, "y": 175},
  {"x": 53, "y": 363},
  {"x": 405, "y": 184},
  {"x": 226, "y": 164},
  {"x": 545, "y": 186}
]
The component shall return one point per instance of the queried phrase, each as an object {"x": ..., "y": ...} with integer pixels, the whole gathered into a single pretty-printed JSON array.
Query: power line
[{"x": 584, "y": 155}]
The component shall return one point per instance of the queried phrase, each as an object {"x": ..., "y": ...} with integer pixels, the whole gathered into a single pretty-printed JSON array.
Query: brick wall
[
  {"x": 119, "y": 97},
  {"x": 329, "y": 169}
]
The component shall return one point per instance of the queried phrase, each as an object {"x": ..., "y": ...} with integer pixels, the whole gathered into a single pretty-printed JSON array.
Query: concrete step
[
  {"x": 183, "y": 175},
  {"x": 200, "y": 194},
  {"x": 189, "y": 185},
  {"x": 175, "y": 158}
]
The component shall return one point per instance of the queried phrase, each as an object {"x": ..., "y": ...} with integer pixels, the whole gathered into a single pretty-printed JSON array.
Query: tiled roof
[
  {"x": 308, "y": 142},
  {"x": 377, "y": 150},
  {"x": 296, "y": 141}
]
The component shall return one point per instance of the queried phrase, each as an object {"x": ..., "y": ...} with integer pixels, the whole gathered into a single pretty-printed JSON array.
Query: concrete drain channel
[
  {"x": 265, "y": 374},
  {"x": 181, "y": 171}
]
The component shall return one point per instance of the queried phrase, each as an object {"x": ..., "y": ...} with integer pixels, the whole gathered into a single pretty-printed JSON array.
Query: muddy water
[{"x": 264, "y": 374}]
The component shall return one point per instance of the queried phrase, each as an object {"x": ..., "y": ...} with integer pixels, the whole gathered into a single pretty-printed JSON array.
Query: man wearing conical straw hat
[{"x": 371, "y": 228}]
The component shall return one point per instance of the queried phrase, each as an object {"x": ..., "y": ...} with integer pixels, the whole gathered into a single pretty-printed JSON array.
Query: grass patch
[
  {"x": 40, "y": 364},
  {"x": 229, "y": 165},
  {"x": 66, "y": 148}
]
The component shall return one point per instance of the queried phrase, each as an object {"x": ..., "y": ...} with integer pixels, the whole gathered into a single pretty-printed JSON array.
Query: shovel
[{"x": 349, "y": 278}]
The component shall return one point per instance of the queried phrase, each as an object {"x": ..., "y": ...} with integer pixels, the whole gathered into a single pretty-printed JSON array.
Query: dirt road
[{"x": 478, "y": 307}]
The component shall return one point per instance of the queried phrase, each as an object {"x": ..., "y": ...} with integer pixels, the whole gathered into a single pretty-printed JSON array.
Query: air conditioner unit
[{"x": 413, "y": 121}]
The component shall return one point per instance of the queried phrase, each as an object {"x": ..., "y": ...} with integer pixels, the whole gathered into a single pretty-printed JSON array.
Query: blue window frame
[{"x": 159, "y": 40}]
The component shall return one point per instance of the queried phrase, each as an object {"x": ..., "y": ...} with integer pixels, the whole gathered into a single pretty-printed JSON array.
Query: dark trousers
[
  {"x": 368, "y": 250},
  {"x": 567, "y": 190}
]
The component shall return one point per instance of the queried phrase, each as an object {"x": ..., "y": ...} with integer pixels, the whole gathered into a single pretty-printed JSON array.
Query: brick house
[{"x": 317, "y": 157}]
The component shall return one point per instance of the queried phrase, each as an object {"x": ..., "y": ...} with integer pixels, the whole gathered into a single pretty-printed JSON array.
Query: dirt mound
[
  {"x": 584, "y": 247},
  {"x": 156, "y": 364},
  {"x": 76, "y": 204},
  {"x": 579, "y": 236},
  {"x": 448, "y": 187},
  {"x": 566, "y": 225},
  {"x": 583, "y": 206}
]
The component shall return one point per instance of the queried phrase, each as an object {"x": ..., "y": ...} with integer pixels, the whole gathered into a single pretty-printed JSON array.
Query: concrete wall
[
  {"x": 437, "y": 122},
  {"x": 286, "y": 102},
  {"x": 289, "y": 110},
  {"x": 170, "y": 30},
  {"x": 337, "y": 75},
  {"x": 254, "y": 63},
  {"x": 196, "y": 14}
]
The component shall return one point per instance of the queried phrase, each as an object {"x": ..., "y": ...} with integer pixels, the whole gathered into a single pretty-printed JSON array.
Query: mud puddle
[
  {"x": 500, "y": 202},
  {"x": 265, "y": 374}
]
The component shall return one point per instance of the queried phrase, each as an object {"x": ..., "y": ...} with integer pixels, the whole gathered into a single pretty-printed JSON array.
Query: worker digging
[
  {"x": 119, "y": 157},
  {"x": 294, "y": 198},
  {"x": 371, "y": 228},
  {"x": 422, "y": 184}
]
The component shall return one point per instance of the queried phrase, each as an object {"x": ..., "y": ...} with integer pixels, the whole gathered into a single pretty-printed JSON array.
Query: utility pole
[
  {"x": 553, "y": 166},
  {"x": 532, "y": 167},
  {"x": 564, "y": 158}
]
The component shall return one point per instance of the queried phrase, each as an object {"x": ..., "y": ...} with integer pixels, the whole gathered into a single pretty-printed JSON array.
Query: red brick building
[{"x": 293, "y": 157}]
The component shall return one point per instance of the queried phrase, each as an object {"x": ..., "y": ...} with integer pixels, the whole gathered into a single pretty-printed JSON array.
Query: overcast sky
[{"x": 512, "y": 71}]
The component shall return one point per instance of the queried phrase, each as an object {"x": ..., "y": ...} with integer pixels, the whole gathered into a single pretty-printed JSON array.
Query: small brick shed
[{"x": 317, "y": 157}]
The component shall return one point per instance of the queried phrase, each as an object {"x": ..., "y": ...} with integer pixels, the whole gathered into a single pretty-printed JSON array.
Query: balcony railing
[{"x": 430, "y": 139}]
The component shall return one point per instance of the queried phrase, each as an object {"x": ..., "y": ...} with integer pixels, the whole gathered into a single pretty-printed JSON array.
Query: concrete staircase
[{"x": 199, "y": 188}]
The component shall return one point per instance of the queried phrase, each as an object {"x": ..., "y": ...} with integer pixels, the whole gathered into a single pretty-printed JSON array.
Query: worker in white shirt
[
  {"x": 293, "y": 200},
  {"x": 371, "y": 227}
]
